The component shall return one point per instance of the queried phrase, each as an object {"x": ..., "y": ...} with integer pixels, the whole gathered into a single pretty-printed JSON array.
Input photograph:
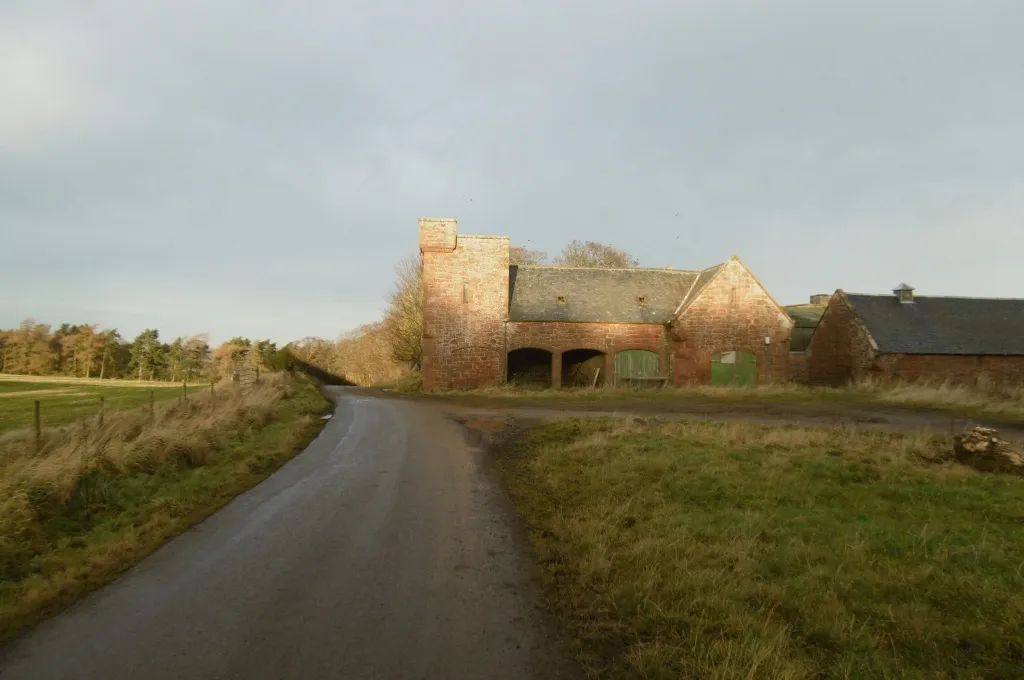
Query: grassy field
[
  {"x": 96, "y": 500},
  {"x": 704, "y": 550},
  {"x": 1005, "y": 404},
  {"x": 66, "y": 401}
]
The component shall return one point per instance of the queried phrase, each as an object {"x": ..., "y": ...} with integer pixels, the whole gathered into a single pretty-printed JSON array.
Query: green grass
[
  {"x": 703, "y": 550},
  {"x": 66, "y": 402},
  {"x": 95, "y": 502}
]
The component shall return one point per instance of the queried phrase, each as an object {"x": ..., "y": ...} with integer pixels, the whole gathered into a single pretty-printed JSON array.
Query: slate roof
[
  {"x": 596, "y": 295},
  {"x": 943, "y": 325}
]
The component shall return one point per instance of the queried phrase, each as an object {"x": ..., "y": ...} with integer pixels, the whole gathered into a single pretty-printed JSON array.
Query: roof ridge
[
  {"x": 611, "y": 269},
  {"x": 939, "y": 297}
]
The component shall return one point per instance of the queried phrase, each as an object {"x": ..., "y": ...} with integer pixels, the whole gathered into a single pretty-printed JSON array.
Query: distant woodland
[{"x": 86, "y": 351}]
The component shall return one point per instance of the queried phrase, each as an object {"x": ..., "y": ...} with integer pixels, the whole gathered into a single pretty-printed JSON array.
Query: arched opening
[
  {"x": 734, "y": 368},
  {"x": 582, "y": 367},
  {"x": 529, "y": 367},
  {"x": 638, "y": 368}
]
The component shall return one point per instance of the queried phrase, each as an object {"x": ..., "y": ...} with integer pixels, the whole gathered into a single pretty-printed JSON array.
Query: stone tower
[{"x": 465, "y": 306}]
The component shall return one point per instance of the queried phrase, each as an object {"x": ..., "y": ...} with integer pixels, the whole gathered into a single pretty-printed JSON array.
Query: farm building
[
  {"x": 908, "y": 337},
  {"x": 805, "y": 320},
  {"x": 486, "y": 321}
]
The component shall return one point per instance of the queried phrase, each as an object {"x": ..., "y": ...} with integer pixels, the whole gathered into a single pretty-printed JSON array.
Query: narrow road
[{"x": 384, "y": 551}]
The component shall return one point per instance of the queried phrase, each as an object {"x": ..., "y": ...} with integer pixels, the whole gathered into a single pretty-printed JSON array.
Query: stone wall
[
  {"x": 954, "y": 368},
  {"x": 465, "y": 305},
  {"x": 841, "y": 349},
  {"x": 798, "y": 367},
  {"x": 734, "y": 312},
  {"x": 610, "y": 338}
]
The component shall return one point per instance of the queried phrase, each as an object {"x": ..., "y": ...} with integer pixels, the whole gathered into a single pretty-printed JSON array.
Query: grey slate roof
[
  {"x": 943, "y": 325},
  {"x": 703, "y": 279},
  {"x": 608, "y": 295}
]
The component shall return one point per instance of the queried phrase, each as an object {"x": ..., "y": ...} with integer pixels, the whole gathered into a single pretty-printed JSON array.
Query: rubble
[{"x": 982, "y": 449}]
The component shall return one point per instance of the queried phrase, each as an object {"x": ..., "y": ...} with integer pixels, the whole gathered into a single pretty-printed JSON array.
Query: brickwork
[
  {"x": 465, "y": 305},
  {"x": 841, "y": 348},
  {"x": 798, "y": 367},
  {"x": 734, "y": 312},
  {"x": 955, "y": 368},
  {"x": 610, "y": 338}
]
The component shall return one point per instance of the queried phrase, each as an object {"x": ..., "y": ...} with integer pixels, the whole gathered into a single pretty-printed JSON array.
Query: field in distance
[{"x": 65, "y": 400}]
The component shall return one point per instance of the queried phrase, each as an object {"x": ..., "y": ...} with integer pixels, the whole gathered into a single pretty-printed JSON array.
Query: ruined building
[{"x": 486, "y": 322}]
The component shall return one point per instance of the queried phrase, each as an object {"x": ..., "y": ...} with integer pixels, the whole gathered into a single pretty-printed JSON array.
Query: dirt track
[{"x": 778, "y": 413}]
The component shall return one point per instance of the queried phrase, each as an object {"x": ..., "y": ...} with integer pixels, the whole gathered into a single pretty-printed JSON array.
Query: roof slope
[
  {"x": 943, "y": 325},
  {"x": 596, "y": 295},
  {"x": 805, "y": 320}
]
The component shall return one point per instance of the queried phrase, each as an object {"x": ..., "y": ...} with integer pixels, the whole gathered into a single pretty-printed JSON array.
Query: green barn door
[
  {"x": 734, "y": 368},
  {"x": 636, "y": 366}
]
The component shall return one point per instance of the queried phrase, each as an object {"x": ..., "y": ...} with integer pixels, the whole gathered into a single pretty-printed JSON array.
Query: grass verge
[
  {"x": 706, "y": 550},
  {"x": 95, "y": 501},
  {"x": 987, "y": 402}
]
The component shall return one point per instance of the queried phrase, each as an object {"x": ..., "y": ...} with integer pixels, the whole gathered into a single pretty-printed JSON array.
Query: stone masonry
[{"x": 684, "y": 318}]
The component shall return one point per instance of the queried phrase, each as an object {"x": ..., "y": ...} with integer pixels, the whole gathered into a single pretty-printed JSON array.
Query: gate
[
  {"x": 637, "y": 367},
  {"x": 734, "y": 368}
]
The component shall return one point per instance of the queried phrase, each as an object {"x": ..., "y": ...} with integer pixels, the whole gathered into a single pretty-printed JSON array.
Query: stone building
[
  {"x": 908, "y": 337},
  {"x": 486, "y": 322}
]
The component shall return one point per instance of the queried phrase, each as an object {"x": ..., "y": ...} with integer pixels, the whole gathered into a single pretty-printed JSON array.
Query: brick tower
[{"x": 465, "y": 306}]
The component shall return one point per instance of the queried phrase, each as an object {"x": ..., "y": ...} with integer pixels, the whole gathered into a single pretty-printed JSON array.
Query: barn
[
  {"x": 486, "y": 321},
  {"x": 907, "y": 337}
]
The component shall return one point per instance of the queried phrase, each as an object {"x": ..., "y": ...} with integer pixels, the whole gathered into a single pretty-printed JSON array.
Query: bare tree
[
  {"x": 403, "y": 321},
  {"x": 521, "y": 255},
  {"x": 596, "y": 255}
]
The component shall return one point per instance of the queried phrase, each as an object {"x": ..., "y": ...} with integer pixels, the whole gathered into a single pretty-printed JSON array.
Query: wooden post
[
  {"x": 102, "y": 406},
  {"x": 38, "y": 428},
  {"x": 211, "y": 388},
  {"x": 184, "y": 390},
  {"x": 152, "y": 413},
  {"x": 257, "y": 375}
]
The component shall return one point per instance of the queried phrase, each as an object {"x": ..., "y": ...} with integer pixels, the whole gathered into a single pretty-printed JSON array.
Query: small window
[{"x": 561, "y": 299}]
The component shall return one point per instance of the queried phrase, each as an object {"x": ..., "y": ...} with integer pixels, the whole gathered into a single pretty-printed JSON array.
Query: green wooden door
[
  {"x": 734, "y": 368},
  {"x": 636, "y": 366}
]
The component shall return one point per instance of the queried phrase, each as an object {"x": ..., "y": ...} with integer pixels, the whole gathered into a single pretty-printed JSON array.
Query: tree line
[
  {"x": 392, "y": 348},
  {"x": 86, "y": 351}
]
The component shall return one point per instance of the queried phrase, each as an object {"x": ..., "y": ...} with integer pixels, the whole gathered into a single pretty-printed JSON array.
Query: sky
[{"x": 257, "y": 168}]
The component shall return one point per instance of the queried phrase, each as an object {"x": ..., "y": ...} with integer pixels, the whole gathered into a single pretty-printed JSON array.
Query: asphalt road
[{"x": 386, "y": 550}]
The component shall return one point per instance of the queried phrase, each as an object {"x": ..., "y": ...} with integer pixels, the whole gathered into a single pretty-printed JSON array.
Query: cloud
[{"x": 255, "y": 168}]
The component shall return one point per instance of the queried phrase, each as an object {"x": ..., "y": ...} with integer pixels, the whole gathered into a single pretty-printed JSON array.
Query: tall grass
[{"x": 71, "y": 512}]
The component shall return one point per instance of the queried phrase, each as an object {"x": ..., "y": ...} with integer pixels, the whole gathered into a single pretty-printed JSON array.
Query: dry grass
[
  {"x": 70, "y": 380},
  {"x": 981, "y": 400},
  {"x": 706, "y": 550},
  {"x": 95, "y": 499}
]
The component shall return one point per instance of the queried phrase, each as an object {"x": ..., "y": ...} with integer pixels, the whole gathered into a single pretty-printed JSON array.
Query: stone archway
[
  {"x": 583, "y": 367},
  {"x": 529, "y": 367}
]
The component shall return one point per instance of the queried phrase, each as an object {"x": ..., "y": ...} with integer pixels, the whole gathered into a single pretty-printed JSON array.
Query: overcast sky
[{"x": 257, "y": 168}]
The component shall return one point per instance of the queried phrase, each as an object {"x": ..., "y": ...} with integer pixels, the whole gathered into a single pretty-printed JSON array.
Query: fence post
[
  {"x": 211, "y": 388},
  {"x": 151, "y": 411},
  {"x": 102, "y": 406},
  {"x": 184, "y": 390},
  {"x": 38, "y": 428},
  {"x": 257, "y": 375}
]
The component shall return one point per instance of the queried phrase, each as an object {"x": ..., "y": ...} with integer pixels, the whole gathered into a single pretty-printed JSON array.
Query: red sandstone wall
[
  {"x": 957, "y": 369},
  {"x": 798, "y": 367},
  {"x": 840, "y": 349},
  {"x": 610, "y": 338},
  {"x": 465, "y": 305},
  {"x": 733, "y": 313}
]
